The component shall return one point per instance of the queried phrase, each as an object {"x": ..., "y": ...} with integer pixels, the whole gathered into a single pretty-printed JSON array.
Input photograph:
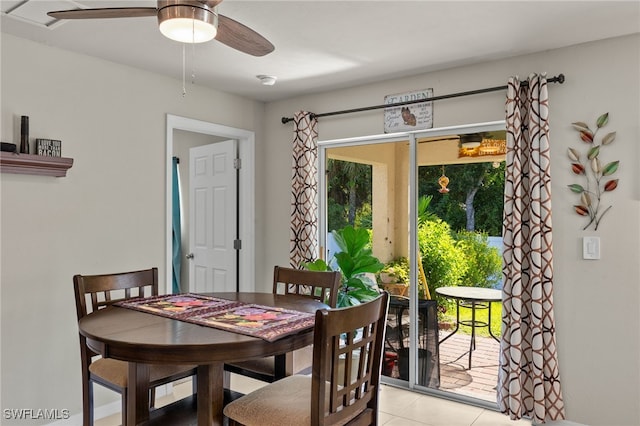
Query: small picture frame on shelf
[{"x": 49, "y": 147}]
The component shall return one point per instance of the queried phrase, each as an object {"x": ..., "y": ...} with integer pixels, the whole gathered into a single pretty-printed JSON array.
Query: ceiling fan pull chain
[
  {"x": 193, "y": 45},
  {"x": 193, "y": 24},
  {"x": 184, "y": 89},
  {"x": 193, "y": 64}
]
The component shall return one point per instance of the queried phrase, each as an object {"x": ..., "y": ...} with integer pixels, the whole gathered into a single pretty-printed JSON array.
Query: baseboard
[
  {"x": 99, "y": 413},
  {"x": 108, "y": 409},
  {"x": 560, "y": 423}
]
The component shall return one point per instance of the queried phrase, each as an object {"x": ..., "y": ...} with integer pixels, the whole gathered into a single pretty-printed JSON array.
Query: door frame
[{"x": 246, "y": 197}]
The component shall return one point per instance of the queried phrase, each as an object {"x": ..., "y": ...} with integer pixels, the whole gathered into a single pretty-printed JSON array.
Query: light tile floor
[{"x": 398, "y": 407}]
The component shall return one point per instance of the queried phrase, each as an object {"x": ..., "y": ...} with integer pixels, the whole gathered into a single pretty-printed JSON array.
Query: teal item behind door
[{"x": 177, "y": 249}]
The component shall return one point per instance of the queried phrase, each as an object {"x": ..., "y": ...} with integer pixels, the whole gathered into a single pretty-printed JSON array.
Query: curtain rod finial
[{"x": 285, "y": 120}]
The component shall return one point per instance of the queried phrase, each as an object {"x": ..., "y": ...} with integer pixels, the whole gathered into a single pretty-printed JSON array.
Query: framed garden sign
[{"x": 413, "y": 116}]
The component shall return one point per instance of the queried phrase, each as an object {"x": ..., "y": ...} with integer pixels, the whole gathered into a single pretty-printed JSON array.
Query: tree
[
  {"x": 475, "y": 199},
  {"x": 349, "y": 192}
]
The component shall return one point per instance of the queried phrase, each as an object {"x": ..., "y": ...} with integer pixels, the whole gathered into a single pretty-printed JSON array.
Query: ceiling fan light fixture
[
  {"x": 471, "y": 141},
  {"x": 470, "y": 145},
  {"x": 188, "y": 24}
]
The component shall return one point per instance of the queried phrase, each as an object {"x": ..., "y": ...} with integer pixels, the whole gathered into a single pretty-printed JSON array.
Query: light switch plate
[{"x": 591, "y": 248}]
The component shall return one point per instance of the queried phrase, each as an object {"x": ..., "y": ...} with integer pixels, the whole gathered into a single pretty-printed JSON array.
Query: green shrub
[
  {"x": 399, "y": 268},
  {"x": 364, "y": 217},
  {"x": 443, "y": 261},
  {"x": 484, "y": 262}
]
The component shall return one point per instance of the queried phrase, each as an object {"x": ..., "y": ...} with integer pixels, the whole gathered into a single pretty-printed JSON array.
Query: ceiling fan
[
  {"x": 469, "y": 140},
  {"x": 187, "y": 21},
  {"x": 472, "y": 138}
]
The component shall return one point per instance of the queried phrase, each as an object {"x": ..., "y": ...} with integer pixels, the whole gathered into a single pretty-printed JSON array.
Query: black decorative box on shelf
[{"x": 9, "y": 147}]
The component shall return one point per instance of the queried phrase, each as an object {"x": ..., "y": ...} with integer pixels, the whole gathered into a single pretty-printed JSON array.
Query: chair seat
[
  {"x": 282, "y": 403},
  {"x": 117, "y": 372}
]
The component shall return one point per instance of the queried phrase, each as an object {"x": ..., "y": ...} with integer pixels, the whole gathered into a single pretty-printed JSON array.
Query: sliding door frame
[{"x": 412, "y": 138}]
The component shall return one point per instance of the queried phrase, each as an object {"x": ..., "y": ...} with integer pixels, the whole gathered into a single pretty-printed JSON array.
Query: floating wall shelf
[{"x": 29, "y": 164}]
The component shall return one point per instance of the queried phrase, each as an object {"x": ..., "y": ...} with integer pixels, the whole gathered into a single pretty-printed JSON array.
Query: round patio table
[{"x": 472, "y": 298}]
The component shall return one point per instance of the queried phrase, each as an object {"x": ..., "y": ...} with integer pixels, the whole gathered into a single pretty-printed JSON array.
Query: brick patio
[{"x": 478, "y": 382}]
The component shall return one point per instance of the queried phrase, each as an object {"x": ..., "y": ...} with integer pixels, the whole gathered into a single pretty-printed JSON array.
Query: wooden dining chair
[
  {"x": 93, "y": 292},
  {"x": 322, "y": 286},
  {"x": 344, "y": 385}
]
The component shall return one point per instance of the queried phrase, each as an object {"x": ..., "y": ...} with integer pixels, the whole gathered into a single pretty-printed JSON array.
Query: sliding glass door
[{"x": 386, "y": 184}]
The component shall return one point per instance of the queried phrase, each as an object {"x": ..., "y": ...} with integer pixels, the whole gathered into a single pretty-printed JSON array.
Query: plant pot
[
  {"x": 445, "y": 325},
  {"x": 390, "y": 359},
  {"x": 387, "y": 278}
]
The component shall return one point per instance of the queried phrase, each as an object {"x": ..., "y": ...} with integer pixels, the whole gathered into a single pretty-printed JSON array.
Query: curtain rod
[{"x": 558, "y": 79}]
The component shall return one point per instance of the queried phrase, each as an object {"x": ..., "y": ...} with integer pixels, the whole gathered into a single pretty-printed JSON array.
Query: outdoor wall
[
  {"x": 383, "y": 159},
  {"x": 596, "y": 301},
  {"x": 107, "y": 215}
]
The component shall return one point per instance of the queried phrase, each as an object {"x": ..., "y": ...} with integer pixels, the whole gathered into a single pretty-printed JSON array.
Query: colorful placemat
[
  {"x": 265, "y": 322},
  {"x": 176, "y": 306}
]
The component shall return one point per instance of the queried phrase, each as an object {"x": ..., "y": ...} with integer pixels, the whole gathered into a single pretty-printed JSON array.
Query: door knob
[{"x": 189, "y": 256}]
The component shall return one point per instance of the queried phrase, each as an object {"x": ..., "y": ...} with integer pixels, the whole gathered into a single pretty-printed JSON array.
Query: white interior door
[{"x": 213, "y": 217}]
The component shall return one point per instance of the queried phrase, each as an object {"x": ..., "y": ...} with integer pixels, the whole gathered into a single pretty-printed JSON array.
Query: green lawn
[{"x": 481, "y": 315}]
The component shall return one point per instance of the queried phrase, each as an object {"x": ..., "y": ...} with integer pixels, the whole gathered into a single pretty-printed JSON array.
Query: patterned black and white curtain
[
  {"x": 304, "y": 191},
  {"x": 529, "y": 381}
]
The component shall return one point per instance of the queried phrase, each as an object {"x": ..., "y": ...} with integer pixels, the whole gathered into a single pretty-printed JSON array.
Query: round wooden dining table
[{"x": 143, "y": 338}]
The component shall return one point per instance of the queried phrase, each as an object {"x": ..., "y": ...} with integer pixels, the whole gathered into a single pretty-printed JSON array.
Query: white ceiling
[{"x": 323, "y": 45}]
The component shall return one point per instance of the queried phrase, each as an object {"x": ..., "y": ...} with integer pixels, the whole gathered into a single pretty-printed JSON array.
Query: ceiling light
[
  {"x": 470, "y": 141},
  {"x": 188, "y": 24},
  {"x": 267, "y": 80},
  {"x": 470, "y": 145}
]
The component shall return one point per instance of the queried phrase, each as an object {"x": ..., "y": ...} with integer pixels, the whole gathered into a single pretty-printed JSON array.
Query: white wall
[
  {"x": 596, "y": 302},
  {"x": 107, "y": 215}
]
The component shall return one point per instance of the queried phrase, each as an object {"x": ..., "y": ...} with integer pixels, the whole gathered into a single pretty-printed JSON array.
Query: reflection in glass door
[{"x": 368, "y": 186}]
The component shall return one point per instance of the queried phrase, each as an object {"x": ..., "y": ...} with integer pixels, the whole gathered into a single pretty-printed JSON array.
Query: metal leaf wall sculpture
[{"x": 596, "y": 176}]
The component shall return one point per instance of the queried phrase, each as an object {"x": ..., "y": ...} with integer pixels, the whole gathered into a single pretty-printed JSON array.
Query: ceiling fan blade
[
  {"x": 112, "y": 12},
  {"x": 439, "y": 139},
  {"x": 242, "y": 38}
]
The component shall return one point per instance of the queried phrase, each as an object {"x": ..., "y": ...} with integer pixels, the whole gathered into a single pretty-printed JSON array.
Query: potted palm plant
[{"x": 356, "y": 263}]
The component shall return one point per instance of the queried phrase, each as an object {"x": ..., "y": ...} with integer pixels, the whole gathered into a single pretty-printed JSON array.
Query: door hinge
[
  {"x": 237, "y": 244},
  {"x": 237, "y": 163}
]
